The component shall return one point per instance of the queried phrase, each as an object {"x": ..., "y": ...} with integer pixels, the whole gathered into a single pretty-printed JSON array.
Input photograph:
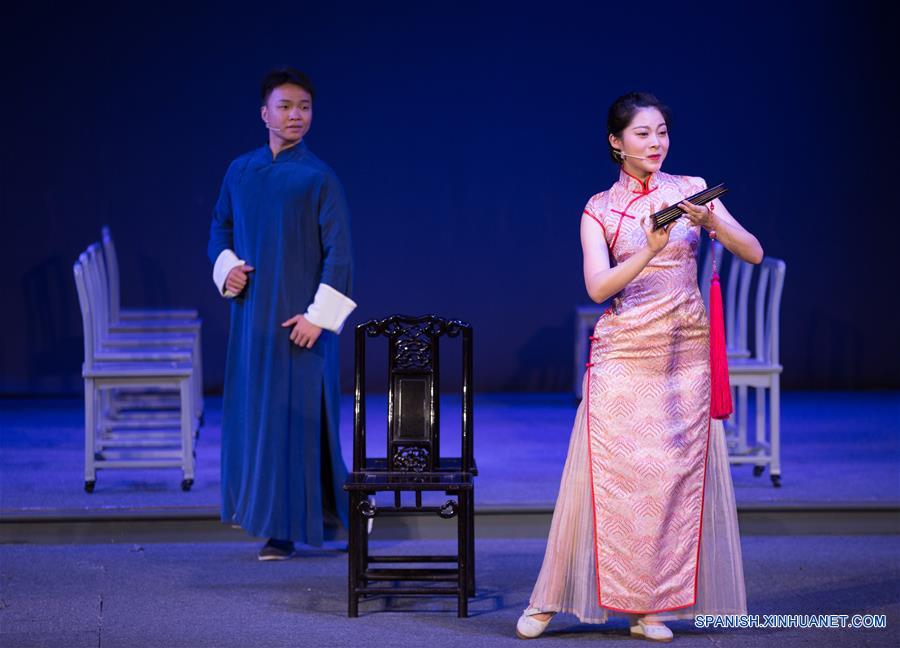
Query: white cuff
[
  {"x": 225, "y": 262},
  {"x": 329, "y": 309}
]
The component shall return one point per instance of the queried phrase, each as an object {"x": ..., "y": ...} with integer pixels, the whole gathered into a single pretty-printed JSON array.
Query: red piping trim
[
  {"x": 587, "y": 213},
  {"x": 616, "y": 235},
  {"x": 677, "y": 607},
  {"x": 618, "y": 227},
  {"x": 593, "y": 498}
]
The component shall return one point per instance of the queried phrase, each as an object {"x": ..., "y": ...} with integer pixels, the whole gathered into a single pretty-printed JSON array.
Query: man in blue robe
[{"x": 280, "y": 246}]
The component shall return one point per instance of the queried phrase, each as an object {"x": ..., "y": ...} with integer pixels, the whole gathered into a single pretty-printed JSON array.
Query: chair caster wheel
[
  {"x": 89, "y": 485},
  {"x": 776, "y": 481},
  {"x": 758, "y": 470},
  {"x": 186, "y": 484}
]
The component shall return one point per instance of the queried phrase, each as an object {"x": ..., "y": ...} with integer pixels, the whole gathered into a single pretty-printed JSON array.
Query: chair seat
[
  {"x": 149, "y": 337},
  {"x": 137, "y": 370},
  {"x": 135, "y": 325},
  {"x": 440, "y": 481},
  {"x": 142, "y": 354},
  {"x": 447, "y": 464},
  {"x": 159, "y": 313},
  {"x": 138, "y": 348},
  {"x": 750, "y": 366}
]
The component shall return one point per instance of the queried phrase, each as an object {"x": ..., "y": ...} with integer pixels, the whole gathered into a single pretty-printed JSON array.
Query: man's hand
[
  {"x": 236, "y": 280},
  {"x": 304, "y": 332}
]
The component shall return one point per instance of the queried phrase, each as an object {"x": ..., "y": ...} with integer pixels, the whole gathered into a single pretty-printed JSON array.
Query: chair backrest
[
  {"x": 712, "y": 250},
  {"x": 768, "y": 310},
  {"x": 84, "y": 301},
  {"x": 97, "y": 292},
  {"x": 737, "y": 296},
  {"x": 112, "y": 273},
  {"x": 413, "y": 427}
]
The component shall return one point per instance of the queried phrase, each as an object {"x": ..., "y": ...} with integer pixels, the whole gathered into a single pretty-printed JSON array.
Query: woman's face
[{"x": 647, "y": 139}]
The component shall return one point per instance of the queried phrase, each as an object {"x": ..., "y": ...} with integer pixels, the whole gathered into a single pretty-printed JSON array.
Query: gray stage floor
[
  {"x": 837, "y": 448},
  {"x": 219, "y": 595}
]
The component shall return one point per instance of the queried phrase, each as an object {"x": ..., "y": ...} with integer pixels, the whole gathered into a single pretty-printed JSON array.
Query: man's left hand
[{"x": 304, "y": 333}]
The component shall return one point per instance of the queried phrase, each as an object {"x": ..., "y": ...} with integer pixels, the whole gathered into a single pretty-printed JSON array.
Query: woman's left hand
[{"x": 699, "y": 214}]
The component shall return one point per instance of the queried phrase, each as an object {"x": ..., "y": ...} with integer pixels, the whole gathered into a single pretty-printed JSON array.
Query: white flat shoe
[
  {"x": 651, "y": 632},
  {"x": 527, "y": 627}
]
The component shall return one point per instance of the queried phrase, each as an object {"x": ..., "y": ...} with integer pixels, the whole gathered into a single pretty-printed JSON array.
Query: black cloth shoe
[{"x": 276, "y": 550}]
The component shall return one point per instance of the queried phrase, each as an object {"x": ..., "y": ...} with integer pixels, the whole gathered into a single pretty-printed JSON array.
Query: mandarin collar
[
  {"x": 636, "y": 186},
  {"x": 293, "y": 153}
]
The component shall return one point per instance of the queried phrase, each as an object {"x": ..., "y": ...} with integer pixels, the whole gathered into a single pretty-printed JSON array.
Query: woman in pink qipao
[{"x": 645, "y": 523}]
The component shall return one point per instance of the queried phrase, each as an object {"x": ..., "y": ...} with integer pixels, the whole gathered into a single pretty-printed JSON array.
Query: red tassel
[{"x": 720, "y": 400}]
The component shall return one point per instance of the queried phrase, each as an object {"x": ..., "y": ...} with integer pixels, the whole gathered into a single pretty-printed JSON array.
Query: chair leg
[
  {"x": 352, "y": 556},
  {"x": 775, "y": 434},
  {"x": 742, "y": 419},
  {"x": 187, "y": 432},
  {"x": 90, "y": 426},
  {"x": 760, "y": 414},
  {"x": 462, "y": 563},
  {"x": 198, "y": 371},
  {"x": 471, "y": 542},
  {"x": 364, "y": 543}
]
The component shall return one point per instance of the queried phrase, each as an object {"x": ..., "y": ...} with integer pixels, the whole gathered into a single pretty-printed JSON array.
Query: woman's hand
[
  {"x": 699, "y": 214},
  {"x": 657, "y": 239},
  {"x": 304, "y": 333}
]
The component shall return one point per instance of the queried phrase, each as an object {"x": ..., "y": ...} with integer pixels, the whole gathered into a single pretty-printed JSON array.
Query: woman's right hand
[{"x": 657, "y": 239}]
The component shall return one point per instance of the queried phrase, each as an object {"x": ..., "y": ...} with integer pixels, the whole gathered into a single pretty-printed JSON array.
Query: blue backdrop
[{"x": 468, "y": 139}]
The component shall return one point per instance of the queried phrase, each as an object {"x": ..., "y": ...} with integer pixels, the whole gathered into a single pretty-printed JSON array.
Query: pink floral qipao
[
  {"x": 648, "y": 407},
  {"x": 646, "y": 475}
]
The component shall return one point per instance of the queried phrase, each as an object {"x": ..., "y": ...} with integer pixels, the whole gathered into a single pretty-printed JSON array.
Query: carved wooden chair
[{"x": 413, "y": 462}]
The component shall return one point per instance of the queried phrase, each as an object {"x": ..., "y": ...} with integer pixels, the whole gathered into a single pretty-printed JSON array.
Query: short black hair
[
  {"x": 282, "y": 75},
  {"x": 623, "y": 110}
]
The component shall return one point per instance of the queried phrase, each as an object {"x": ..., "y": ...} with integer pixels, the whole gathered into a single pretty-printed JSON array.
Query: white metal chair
[
  {"x": 147, "y": 321},
  {"x": 762, "y": 372},
  {"x": 133, "y": 339},
  {"x": 737, "y": 292},
  {"x": 131, "y": 360}
]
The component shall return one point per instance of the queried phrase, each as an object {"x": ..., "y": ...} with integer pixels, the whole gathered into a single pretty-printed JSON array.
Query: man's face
[{"x": 289, "y": 110}]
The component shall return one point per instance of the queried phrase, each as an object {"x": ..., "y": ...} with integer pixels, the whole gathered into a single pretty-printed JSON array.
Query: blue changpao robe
[{"x": 281, "y": 458}]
